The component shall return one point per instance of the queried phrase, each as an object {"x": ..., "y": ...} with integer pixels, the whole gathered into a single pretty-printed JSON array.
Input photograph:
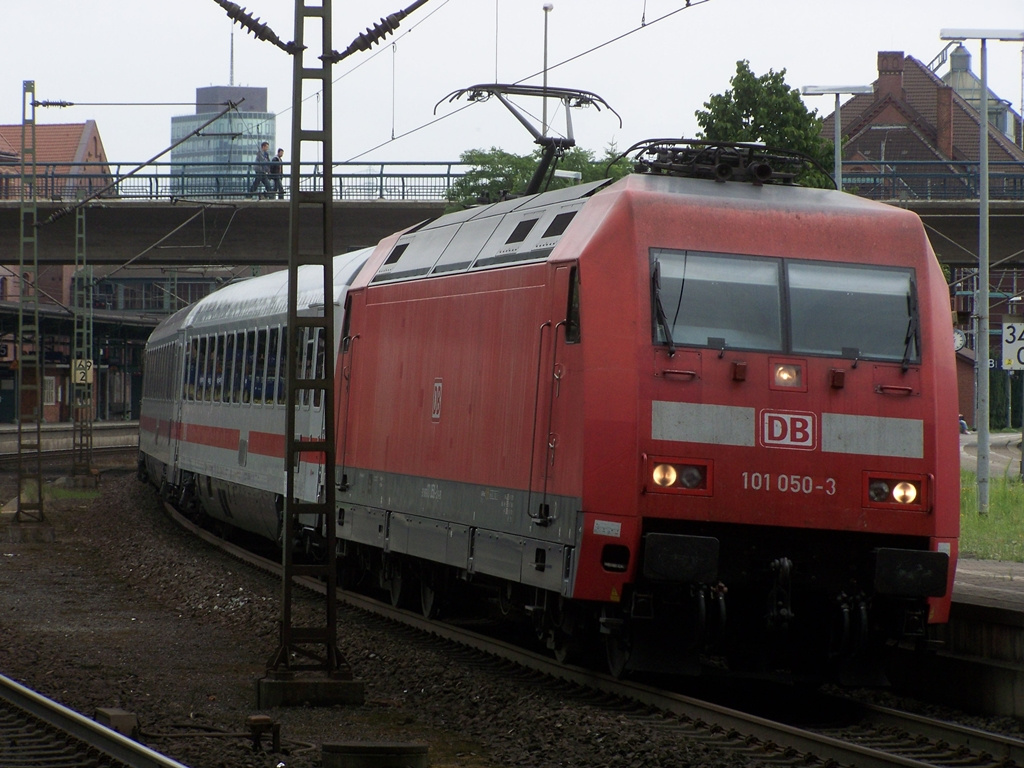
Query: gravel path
[{"x": 126, "y": 610}]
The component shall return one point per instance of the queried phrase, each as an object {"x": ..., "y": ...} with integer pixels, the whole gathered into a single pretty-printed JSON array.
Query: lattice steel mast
[
  {"x": 82, "y": 356},
  {"x": 28, "y": 347},
  {"x": 312, "y": 382}
]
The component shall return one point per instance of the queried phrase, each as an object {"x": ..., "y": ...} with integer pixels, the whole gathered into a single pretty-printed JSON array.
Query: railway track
[
  {"x": 864, "y": 735},
  {"x": 60, "y": 460},
  {"x": 36, "y": 731}
]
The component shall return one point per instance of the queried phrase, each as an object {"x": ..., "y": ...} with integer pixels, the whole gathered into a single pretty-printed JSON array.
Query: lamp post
[
  {"x": 825, "y": 90},
  {"x": 548, "y": 7},
  {"x": 981, "y": 308}
]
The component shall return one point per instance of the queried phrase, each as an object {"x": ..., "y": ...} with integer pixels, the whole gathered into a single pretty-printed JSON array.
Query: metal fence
[
  {"x": 918, "y": 181},
  {"x": 908, "y": 181},
  {"x": 430, "y": 181}
]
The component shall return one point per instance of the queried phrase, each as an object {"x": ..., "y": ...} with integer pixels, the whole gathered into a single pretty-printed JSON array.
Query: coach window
[
  {"x": 218, "y": 368},
  {"x": 715, "y": 300},
  {"x": 191, "y": 368},
  {"x": 320, "y": 361},
  {"x": 250, "y": 362},
  {"x": 229, "y": 362},
  {"x": 305, "y": 363},
  {"x": 848, "y": 310},
  {"x": 273, "y": 365},
  {"x": 201, "y": 370},
  {"x": 260, "y": 374},
  {"x": 282, "y": 368},
  {"x": 236, "y": 368}
]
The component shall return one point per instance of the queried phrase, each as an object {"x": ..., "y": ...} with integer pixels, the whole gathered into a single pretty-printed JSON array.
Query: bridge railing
[
  {"x": 430, "y": 181},
  {"x": 927, "y": 180},
  {"x": 901, "y": 181}
]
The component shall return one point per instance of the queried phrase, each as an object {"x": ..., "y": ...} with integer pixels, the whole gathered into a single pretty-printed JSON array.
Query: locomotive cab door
[{"x": 558, "y": 402}]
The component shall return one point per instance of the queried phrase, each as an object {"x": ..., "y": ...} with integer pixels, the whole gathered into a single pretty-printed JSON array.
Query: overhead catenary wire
[{"x": 643, "y": 25}]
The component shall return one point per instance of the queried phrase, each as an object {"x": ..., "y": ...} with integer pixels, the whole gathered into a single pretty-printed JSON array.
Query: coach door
[{"x": 309, "y": 418}]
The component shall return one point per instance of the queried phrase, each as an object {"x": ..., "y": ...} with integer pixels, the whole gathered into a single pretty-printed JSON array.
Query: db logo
[{"x": 786, "y": 429}]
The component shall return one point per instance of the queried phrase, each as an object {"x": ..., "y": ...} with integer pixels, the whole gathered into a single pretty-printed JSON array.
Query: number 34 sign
[
  {"x": 1013, "y": 346},
  {"x": 81, "y": 371}
]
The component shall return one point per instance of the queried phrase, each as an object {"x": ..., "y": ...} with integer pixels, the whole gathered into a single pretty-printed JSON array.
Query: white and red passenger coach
[{"x": 685, "y": 416}]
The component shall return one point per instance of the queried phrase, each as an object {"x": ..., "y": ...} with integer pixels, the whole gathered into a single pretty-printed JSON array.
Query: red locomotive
[{"x": 699, "y": 410}]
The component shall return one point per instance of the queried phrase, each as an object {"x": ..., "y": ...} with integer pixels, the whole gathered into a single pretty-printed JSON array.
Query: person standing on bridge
[
  {"x": 262, "y": 168},
  {"x": 277, "y": 173}
]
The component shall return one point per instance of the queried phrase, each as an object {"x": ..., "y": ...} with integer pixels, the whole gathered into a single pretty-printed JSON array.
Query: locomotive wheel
[
  {"x": 428, "y": 599},
  {"x": 395, "y": 590},
  {"x": 617, "y": 649},
  {"x": 505, "y": 598},
  {"x": 567, "y": 648}
]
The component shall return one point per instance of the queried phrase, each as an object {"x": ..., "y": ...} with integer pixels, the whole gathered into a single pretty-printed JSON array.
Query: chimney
[
  {"x": 944, "y": 120},
  {"x": 890, "y": 75}
]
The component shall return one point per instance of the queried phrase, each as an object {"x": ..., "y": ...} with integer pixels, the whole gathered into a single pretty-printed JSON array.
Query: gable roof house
[
  {"x": 70, "y": 160},
  {"x": 917, "y": 136}
]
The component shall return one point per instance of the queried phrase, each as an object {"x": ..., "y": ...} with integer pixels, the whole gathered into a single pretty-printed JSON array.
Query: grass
[{"x": 999, "y": 535}]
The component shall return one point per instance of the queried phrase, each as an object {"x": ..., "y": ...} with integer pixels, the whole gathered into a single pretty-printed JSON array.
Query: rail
[
  {"x": 27, "y": 745},
  {"x": 231, "y": 181}
]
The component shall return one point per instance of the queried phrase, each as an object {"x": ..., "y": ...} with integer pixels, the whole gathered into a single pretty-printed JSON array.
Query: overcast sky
[{"x": 666, "y": 63}]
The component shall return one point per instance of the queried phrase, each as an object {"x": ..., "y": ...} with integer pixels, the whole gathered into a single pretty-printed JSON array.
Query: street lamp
[
  {"x": 548, "y": 7},
  {"x": 982, "y": 309},
  {"x": 824, "y": 90}
]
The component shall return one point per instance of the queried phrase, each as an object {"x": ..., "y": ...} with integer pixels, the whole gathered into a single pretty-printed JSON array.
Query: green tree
[
  {"x": 497, "y": 174},
  {"x": 766, "y": 110}
]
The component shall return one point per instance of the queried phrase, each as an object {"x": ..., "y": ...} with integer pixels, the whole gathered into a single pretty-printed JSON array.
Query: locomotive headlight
[
  {"x": 788, "y": 375},
  {"x": 896, "y": 492},
  {"x": 665, "y": 475},
  {"x": 904, "y": 493},
  {"x": 691, "y": 476},
  {"x": 878, "y": 490}
]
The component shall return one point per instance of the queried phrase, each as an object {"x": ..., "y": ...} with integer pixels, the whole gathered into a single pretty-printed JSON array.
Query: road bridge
[
  {"x": 255, "y": 232},
  {"x": 186, "y": 233}
]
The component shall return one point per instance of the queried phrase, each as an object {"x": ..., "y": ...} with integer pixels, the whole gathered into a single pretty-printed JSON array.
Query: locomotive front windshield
[{"x": 727, "y": 301}]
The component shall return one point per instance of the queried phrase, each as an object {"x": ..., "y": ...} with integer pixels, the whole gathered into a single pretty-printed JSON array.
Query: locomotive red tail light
[
  {"x": 679, "y": 476},
  {"x": 895, "y": 492}
]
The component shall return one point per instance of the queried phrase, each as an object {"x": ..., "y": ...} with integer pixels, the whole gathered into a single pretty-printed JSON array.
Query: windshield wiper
[
  {"x": 659, "y": 309},
  {"x": 913, "y": 334}
]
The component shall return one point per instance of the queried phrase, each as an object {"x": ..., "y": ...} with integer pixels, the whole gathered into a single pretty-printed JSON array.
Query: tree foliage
[
  {"x": 766, "y": 110},
  {"x": 496, "y": 174}
]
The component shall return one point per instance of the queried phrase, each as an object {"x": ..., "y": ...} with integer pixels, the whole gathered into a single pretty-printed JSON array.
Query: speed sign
[{"x": 1013, "y": 346}]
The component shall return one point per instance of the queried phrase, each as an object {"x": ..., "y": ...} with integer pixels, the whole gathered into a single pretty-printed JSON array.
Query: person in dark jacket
[
  {"x": 262, "y": 167},
  {"x": 277, "y": 173}
]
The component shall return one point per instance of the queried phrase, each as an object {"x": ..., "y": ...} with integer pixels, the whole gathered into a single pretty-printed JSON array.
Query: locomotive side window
[
  {"x": 715, "y": 300},
  {"x": 850, "y": 310},
  {"x": 572, "y": 313},
  {"x": 521, "y": 231}
]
